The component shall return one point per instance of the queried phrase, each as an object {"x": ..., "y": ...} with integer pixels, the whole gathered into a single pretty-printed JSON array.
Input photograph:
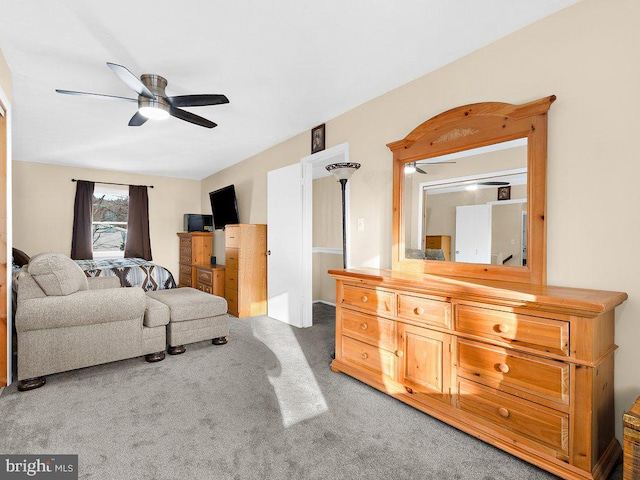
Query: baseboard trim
[{"x": 325, "y": 302}]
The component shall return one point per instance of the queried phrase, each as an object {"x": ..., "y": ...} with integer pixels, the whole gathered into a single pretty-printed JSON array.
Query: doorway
[{"x": 281, "y": 281}]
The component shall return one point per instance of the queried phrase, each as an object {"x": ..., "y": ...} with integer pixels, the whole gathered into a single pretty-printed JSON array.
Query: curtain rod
[{"x": 112, "y": 183}]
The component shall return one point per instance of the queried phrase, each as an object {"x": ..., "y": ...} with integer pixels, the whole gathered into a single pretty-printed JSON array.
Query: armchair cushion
[
  {"x": 57, "y": 274},
  {"x": 86, "y": 307}
]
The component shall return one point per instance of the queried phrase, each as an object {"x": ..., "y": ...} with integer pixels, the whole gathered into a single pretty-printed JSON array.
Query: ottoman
[{"x": 194, "y": 316}]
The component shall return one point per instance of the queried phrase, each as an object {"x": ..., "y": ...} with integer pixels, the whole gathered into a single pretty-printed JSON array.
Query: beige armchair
[{"x": 65, "y": 320}]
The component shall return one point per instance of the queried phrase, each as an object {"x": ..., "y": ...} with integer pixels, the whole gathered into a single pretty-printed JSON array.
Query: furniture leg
[
  {"x": 177, "y": 350},
  {"x": 220, "y": 340},
  {"x": 154, "y": 357},
  {"x": 31, "y": 383}
]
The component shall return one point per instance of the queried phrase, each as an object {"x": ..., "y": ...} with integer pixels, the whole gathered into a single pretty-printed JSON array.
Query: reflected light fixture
[
  {"x": 472, "y": 187},
  {"x": 343, "y": 172},
  {"x": 410, "y": 168}
]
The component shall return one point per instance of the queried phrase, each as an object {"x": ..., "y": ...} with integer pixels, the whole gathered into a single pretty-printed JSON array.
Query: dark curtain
[
  {"x": 138, "y": 240},
  {"x": 82, "y": 239}
]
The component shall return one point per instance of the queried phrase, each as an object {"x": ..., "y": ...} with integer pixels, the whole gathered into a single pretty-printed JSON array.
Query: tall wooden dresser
[
  {"x": 246, "y": 269},
  {"x": 195, "y": 248}
]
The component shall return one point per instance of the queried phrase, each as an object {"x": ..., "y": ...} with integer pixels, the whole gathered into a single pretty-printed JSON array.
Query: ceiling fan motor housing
[{"x": 156, "y": 84}]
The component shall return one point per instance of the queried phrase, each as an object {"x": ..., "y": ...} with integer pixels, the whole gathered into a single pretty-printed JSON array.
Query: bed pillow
[{"x": 57, "y": 274}]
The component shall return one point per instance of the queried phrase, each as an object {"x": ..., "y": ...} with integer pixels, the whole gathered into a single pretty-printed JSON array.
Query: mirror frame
[{"x": 464, "y": 128}]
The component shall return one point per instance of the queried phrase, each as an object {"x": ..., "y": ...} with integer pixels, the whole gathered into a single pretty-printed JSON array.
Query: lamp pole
[{"x": 343, "y": 171}]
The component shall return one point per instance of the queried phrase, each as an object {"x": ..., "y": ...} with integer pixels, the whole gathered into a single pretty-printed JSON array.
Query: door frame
[
  {"x": 313, "y": 166},
  {"x": 5, "y": 104}
]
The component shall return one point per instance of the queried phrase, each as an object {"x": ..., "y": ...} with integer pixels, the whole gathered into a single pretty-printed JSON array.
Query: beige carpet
[{"x": 264, "y": 406}]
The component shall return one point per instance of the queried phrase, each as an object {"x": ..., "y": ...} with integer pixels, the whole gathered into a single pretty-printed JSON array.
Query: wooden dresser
[
  {"x": 440, "y": 242},
  {"x": 631, "y": 470},
  {"x": 528, "y": 369},
  {"x": 210, "y": 279},
  {"x": 246, "y": 269},
  {"x": 195, "y": 248}
]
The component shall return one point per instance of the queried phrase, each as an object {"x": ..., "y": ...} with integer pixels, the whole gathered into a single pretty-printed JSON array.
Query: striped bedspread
[{"x": 132, "y": 272}]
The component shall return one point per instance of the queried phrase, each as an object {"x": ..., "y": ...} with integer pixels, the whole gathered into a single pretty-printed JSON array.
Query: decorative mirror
[{"x": 469, "y": 188}]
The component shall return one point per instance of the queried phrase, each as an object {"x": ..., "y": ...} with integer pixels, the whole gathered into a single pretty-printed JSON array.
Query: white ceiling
[{"x": 285, "y": 65}]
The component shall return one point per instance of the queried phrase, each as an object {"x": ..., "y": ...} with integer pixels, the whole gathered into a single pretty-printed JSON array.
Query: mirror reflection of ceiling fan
[
  {"x": 412, "y": 167},
  {"x": 153, "y": 102}
]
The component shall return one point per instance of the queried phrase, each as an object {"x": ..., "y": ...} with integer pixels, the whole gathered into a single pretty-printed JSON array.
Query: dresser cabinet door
[{"x": 424, "y": 363}]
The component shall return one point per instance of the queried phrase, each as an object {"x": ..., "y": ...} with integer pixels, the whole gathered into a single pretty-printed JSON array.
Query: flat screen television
[{"x": 224, "y": 206}]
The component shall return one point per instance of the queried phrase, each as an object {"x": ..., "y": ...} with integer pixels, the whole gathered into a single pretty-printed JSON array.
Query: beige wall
[
  {"x": 43, "y": 197},
  {"x": 584, "y": 55},
  {"x": 324, "y": 286}
]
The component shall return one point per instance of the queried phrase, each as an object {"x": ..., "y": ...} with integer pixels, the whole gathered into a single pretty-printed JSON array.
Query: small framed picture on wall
[
  {"x": 504, "y": 193},
  {"x": 317, "y": 139}
]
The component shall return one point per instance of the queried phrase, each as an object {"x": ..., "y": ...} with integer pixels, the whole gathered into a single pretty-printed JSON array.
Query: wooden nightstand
[
  {"x": 631, "y": 469},
  {"x": 210, "y": 279}
]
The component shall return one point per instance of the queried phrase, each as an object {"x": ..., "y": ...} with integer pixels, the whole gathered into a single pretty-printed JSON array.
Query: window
[{"x": 109, "y": 224}]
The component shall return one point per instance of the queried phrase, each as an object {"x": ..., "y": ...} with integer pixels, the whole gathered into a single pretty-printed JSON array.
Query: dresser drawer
[
  {"x": 205, "y": 276},
  {"x": 185, "y": 242},
  {"x": 424, "y": 310},
  {"x": 185, "y": 251},
  {"x": 231, "y": 258},
  {"x": 232, "y": 237},
  {"x": 514, "y": 372},
  {"x": 185, "y": 269},
  {"x": 535, "y": 422},
  {"x": 231, "y": 279},
  {"x": 184, "y": 280},
  {"x": 185, "y": 258},
  {"x": 525, "y": 330},
  {"x": 232, "y": 300},
  {"x": 372, "y": 330},
  {"x": 369, "y": 299},
  {"x": 364, "y": 355}
]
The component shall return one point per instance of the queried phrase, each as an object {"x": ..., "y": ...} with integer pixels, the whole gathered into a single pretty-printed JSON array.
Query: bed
[{"x": 132, "y": 272}]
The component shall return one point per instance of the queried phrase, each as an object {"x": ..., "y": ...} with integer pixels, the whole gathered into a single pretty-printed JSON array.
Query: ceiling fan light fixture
[
  {"x": 154, "y": 113},
  {"x": 410, "y": 168}
]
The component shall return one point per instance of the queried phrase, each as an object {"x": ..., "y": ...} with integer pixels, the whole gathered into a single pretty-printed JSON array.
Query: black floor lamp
[{"x": 343, "y": 172}]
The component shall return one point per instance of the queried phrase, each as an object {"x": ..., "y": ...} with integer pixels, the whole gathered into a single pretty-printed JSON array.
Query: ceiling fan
[{"x": 153, "y": 102}]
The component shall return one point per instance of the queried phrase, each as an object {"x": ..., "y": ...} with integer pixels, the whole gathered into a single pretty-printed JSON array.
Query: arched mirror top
[{"x": 484, "y": 165}]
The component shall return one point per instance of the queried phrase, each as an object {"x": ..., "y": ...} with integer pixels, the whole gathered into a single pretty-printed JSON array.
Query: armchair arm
[
  {"x": 86, "y": 307},
  {"x": 97, "y": 283}
]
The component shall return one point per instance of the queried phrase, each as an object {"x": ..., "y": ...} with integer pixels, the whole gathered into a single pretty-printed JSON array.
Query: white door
[
  {"x": 285, "y": 245},
  {"x": 473, "y": 234}
]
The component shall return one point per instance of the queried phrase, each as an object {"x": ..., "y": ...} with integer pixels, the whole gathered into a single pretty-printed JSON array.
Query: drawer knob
[
  {"x": 503, "y": 412},
  {"x": 503, "y": 367},
  {"x": 399, "y": 353},
  {"x": 363, "y": 326},
  {"x": 409, "y": 389},
  {"x": 364, "y": 355},
  {"x": 364, "y": 299},
  {"x": 502, "y": 328},
  {"x": 418, "y": 310}
]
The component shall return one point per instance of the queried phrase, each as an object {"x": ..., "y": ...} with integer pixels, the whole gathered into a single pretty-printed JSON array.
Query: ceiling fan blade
[
  {"x": 137, "y": 120},
  {"x": 196, "y": 100},
  {"x": 131, "y": 80},
  {"x": 96, "y": 95},
  {"x": 419, "y": 170},
  {"x": 190, "y": 117},
  {"x": 496, "y": 184}
]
